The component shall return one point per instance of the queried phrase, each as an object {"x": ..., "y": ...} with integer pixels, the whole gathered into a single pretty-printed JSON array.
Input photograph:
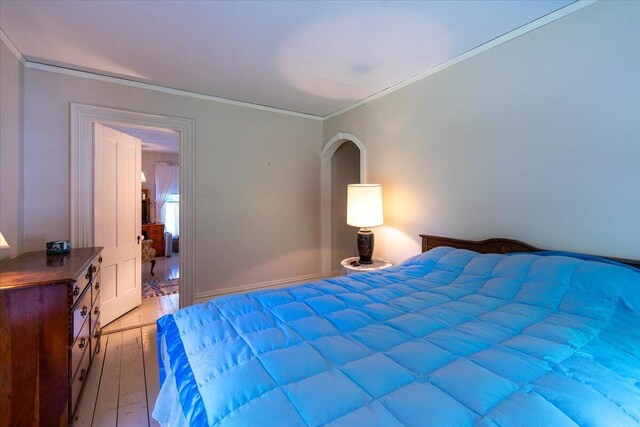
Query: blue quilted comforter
[{"x": 449, "y": 337}]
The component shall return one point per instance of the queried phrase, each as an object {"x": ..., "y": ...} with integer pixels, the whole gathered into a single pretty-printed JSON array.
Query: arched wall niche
[{"x": 327, "y": 154}]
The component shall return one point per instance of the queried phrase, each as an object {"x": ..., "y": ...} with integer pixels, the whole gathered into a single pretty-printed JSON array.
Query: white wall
[
  {"x": 256, "y": 178},
  {"x": 537, "y": 139},
  {"x": 345, "y": 170},
  {"x": 11, "y": 116}
]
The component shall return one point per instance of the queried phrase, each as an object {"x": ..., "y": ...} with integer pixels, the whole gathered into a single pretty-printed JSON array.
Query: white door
[{"x": 117, "y": 220}]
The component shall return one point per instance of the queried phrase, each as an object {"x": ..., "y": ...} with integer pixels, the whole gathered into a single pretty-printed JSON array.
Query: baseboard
[{"x": 205, "y": 296}]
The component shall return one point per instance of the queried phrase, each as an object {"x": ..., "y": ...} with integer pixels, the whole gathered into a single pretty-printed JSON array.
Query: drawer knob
[
  {"x": 82, "y": 343},
  {"x": 96, "y": 310},
  {"x": 88, "y": 275},
  {"x": 94, "y": 269},
  {"x": 83, "y": 375},
  {"x": 97, "y": 286},
  {"x": 76, "y": 291},
  {"x": 100, "y": 259},
  {"x": 83, "y": 312}
]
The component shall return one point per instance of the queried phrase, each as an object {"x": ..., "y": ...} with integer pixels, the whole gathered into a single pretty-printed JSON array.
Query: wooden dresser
[
  {"x": 155, "y": 232},
  {"x": 49, "y": 334}
]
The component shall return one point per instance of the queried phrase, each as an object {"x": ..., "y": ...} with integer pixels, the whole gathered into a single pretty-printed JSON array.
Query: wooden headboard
[{"x": 495, "y": 246}]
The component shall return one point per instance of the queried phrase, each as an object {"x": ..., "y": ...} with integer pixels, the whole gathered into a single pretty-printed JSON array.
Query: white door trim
[
  {"x": 82, "y": 118},
  {"x": 325, "y": 203}
]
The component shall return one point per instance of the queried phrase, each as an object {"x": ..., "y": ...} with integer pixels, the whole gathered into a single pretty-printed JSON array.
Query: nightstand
[{"x": 351, "y": 266}]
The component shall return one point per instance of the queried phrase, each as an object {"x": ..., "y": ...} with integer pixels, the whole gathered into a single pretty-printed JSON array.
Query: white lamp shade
[
  {"x": 364, "y": 205},
  {"x": 143, "y": 178},
  {"x": 3, "y": 242}
]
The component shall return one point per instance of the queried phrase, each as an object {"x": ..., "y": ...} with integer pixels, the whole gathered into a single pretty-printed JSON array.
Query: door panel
[
  {"x": 110, "y": 193},
  {"x": 117, "y": 219},
  {"x": 108, "y": 284},
  {"x": 126, "y": 269},
  {"x": 127, "y": 229}
]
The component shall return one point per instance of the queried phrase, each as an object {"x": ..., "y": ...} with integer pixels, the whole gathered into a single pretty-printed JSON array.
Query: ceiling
[
  {"x": 313, "y": 57},
  {"x": 163, "y": 140}
]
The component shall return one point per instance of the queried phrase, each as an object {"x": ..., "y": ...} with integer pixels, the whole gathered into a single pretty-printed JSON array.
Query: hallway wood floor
[{"x": 166, "y": 268}]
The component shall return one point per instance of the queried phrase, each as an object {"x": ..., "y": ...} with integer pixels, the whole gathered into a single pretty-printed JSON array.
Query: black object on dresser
[{"x": 49, "y": 334}]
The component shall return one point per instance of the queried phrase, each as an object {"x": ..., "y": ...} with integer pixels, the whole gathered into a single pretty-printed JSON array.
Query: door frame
[
  {"x": 81, "y": 164},
  {"x": 326, "y": 155}
]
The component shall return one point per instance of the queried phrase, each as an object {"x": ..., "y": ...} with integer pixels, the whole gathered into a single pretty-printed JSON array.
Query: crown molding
[
  {"x": 12, "y": 47},
  {"x": 553, "y": 16},
  {"x": 132, "y": 83}
]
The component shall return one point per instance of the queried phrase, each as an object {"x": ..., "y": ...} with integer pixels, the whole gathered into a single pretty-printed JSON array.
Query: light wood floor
[
  {"x": 146, "y": 314},
  {"x": 123, "y": 381}
]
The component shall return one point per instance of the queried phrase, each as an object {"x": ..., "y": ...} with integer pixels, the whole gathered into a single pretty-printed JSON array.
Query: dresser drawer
[
  {"x": 78, "y": 381},
  {"x": 78, "y": 347},
  {"x": 95, "y": 287},
  {"x": 157, "y": 240},
  {"x": 86, "y": 277},
  {"x": 95, "y": 317},
  {"x": 79, "y": 287},
  {"x": 80, "y": 313},
  {"x": 157, "y": 232},
  {"x": 96, "y": 339}
]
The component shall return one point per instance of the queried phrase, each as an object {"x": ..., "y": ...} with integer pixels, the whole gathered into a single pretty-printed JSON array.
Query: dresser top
[{"x": 37, "y": 269}]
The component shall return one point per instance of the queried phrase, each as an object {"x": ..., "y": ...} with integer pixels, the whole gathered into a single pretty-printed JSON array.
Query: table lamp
[
  {"x": 364, "y": 210},
  {"x": 3, "y": 242}
]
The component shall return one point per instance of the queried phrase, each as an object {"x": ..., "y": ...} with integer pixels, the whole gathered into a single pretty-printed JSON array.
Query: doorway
[
  {"x": 159, "y": 203},
  {"x": 126, "y": 365},
  {"x": 83, "y": 118}
]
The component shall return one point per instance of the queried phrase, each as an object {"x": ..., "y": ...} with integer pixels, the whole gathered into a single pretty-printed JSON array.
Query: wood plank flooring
[
  {"x": 146, "y": 314},
  {"x": 123, "y": 383}
]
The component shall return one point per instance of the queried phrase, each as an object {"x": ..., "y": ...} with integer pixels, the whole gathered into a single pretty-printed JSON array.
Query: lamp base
[{"x": 365, "y": 246}]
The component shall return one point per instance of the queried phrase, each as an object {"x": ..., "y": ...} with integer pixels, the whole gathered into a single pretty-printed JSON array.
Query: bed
[{"x": 488, "y": 333}]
